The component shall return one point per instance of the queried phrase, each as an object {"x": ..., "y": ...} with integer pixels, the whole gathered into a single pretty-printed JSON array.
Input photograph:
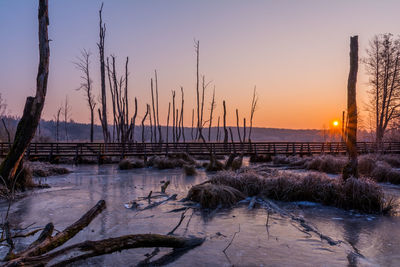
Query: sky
[{"x": 295, "y": 52}]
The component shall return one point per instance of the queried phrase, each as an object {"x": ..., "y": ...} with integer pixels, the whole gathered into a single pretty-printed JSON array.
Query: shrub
[
  {"x": 214, "y": 195},
  {"x": 189, "y": 170}
]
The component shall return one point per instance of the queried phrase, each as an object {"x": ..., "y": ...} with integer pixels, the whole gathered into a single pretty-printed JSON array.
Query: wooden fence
[{"x": 194, "y": 148}]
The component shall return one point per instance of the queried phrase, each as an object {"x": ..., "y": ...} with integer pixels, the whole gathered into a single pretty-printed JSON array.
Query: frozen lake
[{"x": 364, "y": 240}]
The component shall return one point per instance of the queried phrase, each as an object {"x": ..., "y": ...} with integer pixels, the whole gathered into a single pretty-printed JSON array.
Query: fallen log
[{"x": 39, "y": 253}]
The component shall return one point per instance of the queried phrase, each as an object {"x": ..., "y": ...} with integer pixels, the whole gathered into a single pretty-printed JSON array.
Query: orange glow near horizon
[{"x": 335, "y": 123}]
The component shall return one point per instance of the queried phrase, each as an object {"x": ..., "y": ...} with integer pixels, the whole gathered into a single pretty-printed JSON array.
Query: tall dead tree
[
  {"x": 119, "y": 95},
  {"x": 191, "y": 132},
  {"x": 133, "y": 123},
  {"x": 169, "y": 109},
  {"x": 57, "y": 120},
  {"x": 212, "y": 107},
  {"x": 173, "y": 117},
  {"x": 154, "y": 110},
  {"x": 225, "y": 130},
  {"x": 33, "y": 106},
  {"x": 160, "y": 139},
  {"x": 182, "y": 129},
  {"x": 383, "y": 67},
  {"x": 197, "y": 50},
  {"x": 67, "y": 114},
  {"x": 82, "y": 64},
  {"x": 238, "y": 126},
  {"x": 144, "y": 119},
  {"x": 351, "y": 169},
  {"x": 217, "y": 138},
  {"x": 100, "y": 45},
  {"x": 252, "y": 111}
]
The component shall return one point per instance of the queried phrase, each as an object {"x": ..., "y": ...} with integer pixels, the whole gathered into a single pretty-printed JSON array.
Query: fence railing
[{"x": 195, "y": 148}]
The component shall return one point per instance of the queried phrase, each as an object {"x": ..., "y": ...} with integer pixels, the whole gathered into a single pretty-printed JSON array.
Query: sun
[{"x": 335, "y": 123}]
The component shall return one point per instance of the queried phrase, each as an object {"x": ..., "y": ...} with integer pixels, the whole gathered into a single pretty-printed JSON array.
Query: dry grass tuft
[
  {"x": 326, "y": 163},
  {"x": 214, "y": 195},
  {"x": 189, "y": 170},
  {"x": 126, "y": 164},
  {"x": 260, "y": 158},
  {"x": 43, "y": 169},
  {"x": 360, "y": 194}
]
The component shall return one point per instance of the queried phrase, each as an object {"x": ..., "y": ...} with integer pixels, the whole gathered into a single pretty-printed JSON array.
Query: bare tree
[
  {"x": 66, "y": 112},
  {"x": 144, "y": 119},
  {"x": 351, "y": 169},
  {"x": 103, "y": 112},
  {"x": 181, "y": 128},
  {"x": 217, "y": 138},
  {"x": 173, "y": 117},
  {"x": 154, "y": 110},
  {"x": 133, "y": 122},
  {"x": 212, "y": 107},
  {"x": 82, "y": 64},
  {"x": 158, "y": 118},
  {"x": 57, "y": 120},
  {"x": 252, "y": 111},
  {"x": 197, "y": 50},
  {"x": 192, "y": 125},
  {"x": 33, "y": 106},
  {"x": 3, "y": 106},
  {"x": 238, "y": 126},
  {"x": 383, "y": 67},
  {"x": 169, "y": 109},
  {"x": 225, "y": 130}
]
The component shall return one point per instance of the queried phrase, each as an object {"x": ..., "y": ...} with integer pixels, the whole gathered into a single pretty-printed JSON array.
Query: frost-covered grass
[{"x": 360, "y": 194}]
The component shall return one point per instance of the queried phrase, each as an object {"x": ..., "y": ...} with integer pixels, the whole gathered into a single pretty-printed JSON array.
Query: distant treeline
[{"x": 80, "y": 132}]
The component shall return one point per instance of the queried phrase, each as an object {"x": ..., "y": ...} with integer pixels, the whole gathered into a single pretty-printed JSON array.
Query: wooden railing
[{"x": 195, "y": 148}]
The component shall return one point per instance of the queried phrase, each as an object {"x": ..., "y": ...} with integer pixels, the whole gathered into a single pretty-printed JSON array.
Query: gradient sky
[{"x": 296, "y": 52}]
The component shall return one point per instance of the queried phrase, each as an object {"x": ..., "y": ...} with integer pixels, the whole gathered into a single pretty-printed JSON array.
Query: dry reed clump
[
  {"x": 184, "y": 156},
  {"x": 42, "y": 169},
  {"x": 249, "y": 183},
  {"x": 214, "y": 195},
  {"x": 366, "y": 164},
  {"x": 294, "y": 161},
  {"x": 257, "y": 158},
  {"x": 126, "y": 164},
  {"x": 189, "y": 169},
  {"x": 214, "y": 165},
  {"x": 360, "y": 194},
  {"x": 393, "y": 160},
  {"x": 326, "y": 163},
  {"x": 237, "y": 163}
]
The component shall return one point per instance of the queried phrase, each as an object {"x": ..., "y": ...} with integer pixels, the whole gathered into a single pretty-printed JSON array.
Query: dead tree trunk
[
  {"x": 100, "y": 45},
  {"x": 160, "y": 139},
  {"x": 350, "y": 170},
  {"x": 154, "y": 111},
  {"x": 211, "y": 115},
  {"x": 133, "y": 122},
  {"x": 252, "y": 111},
  {"x": 225, "y": 130},
  {"x": 181, "y": 119},
  {"x": 40, "y": 252},
  {"x": 143, "y": 120},
  {"x": 192, "y": 125},
  {"x": 197, "y": 49},
  {"x": 217, "y": 130},
  {"x": 173, "y": 117},
  {"x": 33, "y": 106},
  {"x": 238, "y": 126},
  {"x": 169, "y": 109}
]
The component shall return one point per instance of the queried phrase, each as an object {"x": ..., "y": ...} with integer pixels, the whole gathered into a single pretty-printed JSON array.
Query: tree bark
[
  {"x": 225, "y": 130},
  {"x": 103, "y": 116},
  {"x": 350, "y": 170},
  {"x": 33, "y": 106}
]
